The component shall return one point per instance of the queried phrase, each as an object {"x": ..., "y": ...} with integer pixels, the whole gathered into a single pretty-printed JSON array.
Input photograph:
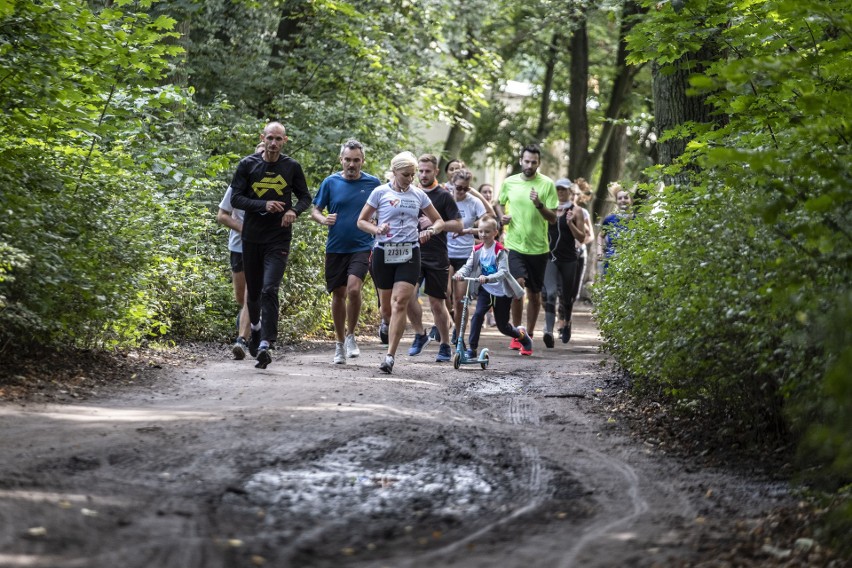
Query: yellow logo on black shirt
[{"x": 271, "y": 181}]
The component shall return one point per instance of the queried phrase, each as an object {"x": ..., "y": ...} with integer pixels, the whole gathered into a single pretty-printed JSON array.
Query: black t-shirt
[
  {"x": 434, "y": 251},
  {"x": 256, "y": 182},
  {"x": 562, "y": 245}
]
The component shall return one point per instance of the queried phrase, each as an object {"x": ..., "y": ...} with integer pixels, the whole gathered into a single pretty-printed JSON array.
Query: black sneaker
[
  {"x": 565, "y": 333},
  {"x": 548, "y": 339},
  {"x": 263, "y": 358},
  {"x": 239, "y": 349},
  {"x": 254, "y": 343},
  {"x": 387, "y": 364},
  {"x": 383, "y": 333}
]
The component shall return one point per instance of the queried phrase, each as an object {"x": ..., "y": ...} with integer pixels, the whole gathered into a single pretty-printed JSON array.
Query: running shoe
[
  {"x": 387, "y": 364},
  {"x": 339, "y": 354},
  {"x": 548, "y": 340},
  {"x": 421, "y": 340},
  {"x": 525, "y": 341},
  {"x": 263, "y": 358},
  {"x": 254, "y": 342},
  {"x": 383, "y": 333},
  {"x": 351, "y": 347},
  {"x": 514, "y": 344},
  {"x": 445, "y": 353},
  {"x": 470, "y": 353},
  {"x": 239, "y": 349},
  {"x": 565, "y": 333}
]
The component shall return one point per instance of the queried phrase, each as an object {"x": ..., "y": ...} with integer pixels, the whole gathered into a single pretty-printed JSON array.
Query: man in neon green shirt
[{"x": 530, "y": 200}]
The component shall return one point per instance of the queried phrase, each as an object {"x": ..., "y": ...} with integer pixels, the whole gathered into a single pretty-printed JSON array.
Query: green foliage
[
  {"x": 734, "y": 292},
  {"x": 109, "y": 232},
  {"x": 109, "y": 238},
  {"x": 73, "y": 221},
  {"x": 688, "y": 305}
]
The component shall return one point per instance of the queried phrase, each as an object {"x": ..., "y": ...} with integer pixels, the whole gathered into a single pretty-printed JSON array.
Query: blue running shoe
[
  {"x": 470, "y": 353},
  {"x": 445, "y": 353},
  {"x": 421, "y": 340}
]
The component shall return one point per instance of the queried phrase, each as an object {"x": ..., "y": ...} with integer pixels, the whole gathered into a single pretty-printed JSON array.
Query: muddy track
[{"x": 311, "y": 464}]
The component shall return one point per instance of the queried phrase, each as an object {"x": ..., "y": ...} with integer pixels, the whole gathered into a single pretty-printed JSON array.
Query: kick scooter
[{"x": 460, "y": 357}]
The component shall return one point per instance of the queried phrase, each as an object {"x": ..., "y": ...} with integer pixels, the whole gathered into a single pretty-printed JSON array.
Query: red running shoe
[{"x": 525, "y": 341}]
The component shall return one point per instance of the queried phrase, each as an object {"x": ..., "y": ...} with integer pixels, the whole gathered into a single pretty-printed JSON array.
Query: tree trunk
[
  {"x": 621, "y": 88},
  {"x": 673, "y": 107},
  {"x": 455, "y": 138},
  {"x": 544, "y": 122},
  {"x": 578, "y": 121},
  {"x": 288, "y": 28}
]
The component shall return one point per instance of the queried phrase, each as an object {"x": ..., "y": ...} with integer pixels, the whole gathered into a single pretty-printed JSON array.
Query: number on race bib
[{"x": 397, "y": 253}]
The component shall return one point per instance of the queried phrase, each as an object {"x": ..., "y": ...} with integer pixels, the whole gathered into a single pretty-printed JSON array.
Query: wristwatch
[{"x": 540, "y": 205}]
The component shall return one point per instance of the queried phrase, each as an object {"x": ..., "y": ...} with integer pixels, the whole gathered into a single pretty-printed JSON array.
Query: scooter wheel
[
  {"x": 484, "y": 363},
  {"x": 456, "y": 361}
]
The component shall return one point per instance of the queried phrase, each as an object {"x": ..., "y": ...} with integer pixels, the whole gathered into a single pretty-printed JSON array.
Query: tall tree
[{"x": 470, "y": 59}]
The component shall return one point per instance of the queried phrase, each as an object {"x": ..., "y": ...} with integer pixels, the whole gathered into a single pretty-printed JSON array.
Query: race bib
[{"x": 397, "y": 253}]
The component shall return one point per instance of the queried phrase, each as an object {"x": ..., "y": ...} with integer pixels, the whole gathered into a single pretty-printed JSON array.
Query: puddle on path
[
  {"x": 341, "y": 482},
  {"x": 496, "y": 385}
]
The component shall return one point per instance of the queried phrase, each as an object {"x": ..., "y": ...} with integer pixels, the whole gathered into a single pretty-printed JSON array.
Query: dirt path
[{"x": 311, "y": 464}]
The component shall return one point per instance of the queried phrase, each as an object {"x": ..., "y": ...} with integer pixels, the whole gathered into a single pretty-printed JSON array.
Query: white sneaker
[
  {"x": 339, "y": 354},
  {"x": 351, "y": 347}
]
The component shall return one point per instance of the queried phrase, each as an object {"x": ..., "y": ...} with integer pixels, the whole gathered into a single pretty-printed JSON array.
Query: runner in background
[{"x": 233, "y": 219}]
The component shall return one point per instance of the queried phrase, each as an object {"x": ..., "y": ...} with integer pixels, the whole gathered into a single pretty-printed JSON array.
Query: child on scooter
[{"x": 490, "y": 262}]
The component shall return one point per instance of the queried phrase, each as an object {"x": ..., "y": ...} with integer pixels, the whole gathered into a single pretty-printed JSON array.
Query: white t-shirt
[
  {"x": 400, "y": 211},
  {"x": 235, "y": 241},
  {"x": 470, "y": 209}
]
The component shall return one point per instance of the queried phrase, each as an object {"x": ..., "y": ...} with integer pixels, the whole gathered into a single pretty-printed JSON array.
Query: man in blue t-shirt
[{"x": 341, "y": 196}]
